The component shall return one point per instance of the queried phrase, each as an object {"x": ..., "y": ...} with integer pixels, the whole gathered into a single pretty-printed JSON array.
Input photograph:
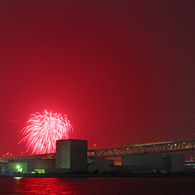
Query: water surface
[{"x": 86, "y": 186}]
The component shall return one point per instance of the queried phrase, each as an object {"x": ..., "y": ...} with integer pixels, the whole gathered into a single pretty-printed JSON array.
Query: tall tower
[{"x": 71, "y": 155}]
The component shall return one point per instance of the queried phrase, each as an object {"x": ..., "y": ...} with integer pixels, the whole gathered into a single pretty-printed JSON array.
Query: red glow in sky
[
  {"x": 43, "y": 130},
  {"x": 117, "y": 68}
]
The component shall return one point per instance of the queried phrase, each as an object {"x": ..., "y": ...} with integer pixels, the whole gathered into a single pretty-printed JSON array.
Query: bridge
[
  {"x": 160, "y": 128},
  {"x": 159, "y": 147}
]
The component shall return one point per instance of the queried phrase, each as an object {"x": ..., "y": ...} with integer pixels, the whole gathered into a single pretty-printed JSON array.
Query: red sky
[{"x": 122, "y": 71}]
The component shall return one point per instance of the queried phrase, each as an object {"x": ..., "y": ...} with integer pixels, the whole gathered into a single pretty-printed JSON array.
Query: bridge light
[{"x": 175, "y": 144}]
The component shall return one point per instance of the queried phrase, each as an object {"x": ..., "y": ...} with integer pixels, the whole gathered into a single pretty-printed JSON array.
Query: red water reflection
[
  {"x": 45, "y": 186},
  {"x": 96, "y": 186}
]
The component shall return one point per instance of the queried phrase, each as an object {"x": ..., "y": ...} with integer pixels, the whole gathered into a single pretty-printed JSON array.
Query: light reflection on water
[{"x": 87, "y": 186}]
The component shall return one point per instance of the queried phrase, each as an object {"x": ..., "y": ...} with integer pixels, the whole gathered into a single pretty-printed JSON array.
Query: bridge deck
[{"x": 159, "y": 147}]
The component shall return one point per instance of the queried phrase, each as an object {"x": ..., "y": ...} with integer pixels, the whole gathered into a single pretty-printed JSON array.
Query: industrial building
[
  {"x": 31, "y": 165},
  {"x": 161, "y": 162},
  {"x": 71, "y": 157},
  {"x": 143, "y": 163}
]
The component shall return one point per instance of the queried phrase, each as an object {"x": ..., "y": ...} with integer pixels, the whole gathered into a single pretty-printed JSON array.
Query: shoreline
[{"x": 89, "y": 175}]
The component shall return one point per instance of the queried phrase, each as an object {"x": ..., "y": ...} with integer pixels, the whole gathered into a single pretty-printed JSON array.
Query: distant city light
[{"x": 42, "y": 131}]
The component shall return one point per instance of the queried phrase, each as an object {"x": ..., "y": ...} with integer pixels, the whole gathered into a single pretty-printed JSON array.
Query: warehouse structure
[
  {"x": 71, "y": 156},
  {"x": 160, "y": 162},
  {"x": 143, "y": 163}
]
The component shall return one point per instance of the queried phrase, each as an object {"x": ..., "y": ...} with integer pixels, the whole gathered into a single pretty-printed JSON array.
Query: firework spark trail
[{"x": 42, "y": 131}]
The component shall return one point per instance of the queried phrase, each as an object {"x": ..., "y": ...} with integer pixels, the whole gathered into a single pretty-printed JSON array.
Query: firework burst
[{"x": 42, "y": 131}]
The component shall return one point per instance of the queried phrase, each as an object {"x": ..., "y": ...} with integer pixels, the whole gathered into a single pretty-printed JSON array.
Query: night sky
[{"x": 122, "y": 71}]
